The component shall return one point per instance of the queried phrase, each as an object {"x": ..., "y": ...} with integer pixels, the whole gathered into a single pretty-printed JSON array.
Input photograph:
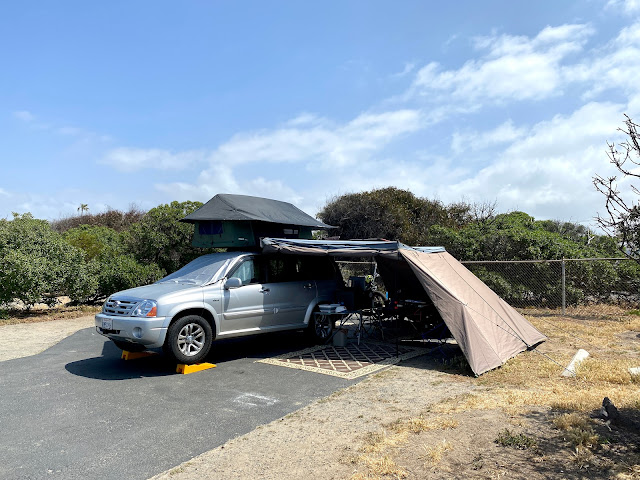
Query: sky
[{"x": 121, "y": 103}]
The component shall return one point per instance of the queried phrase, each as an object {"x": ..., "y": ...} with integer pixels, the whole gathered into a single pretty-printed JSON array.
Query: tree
[
  {"x": 111, "y": 218},
  {"x": 95, "y": 241},
  {"x": 83, "y": 208},
  {"x": 518, "y": 236},
  {"x": 112, "y": 267},
  {"x": 622, "y": 220},
  {"x": 162, "y": 239},
  {"x": 391, "y": 213}
]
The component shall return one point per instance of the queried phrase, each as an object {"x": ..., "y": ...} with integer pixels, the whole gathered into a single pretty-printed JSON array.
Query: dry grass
[
  {"x": 37, "y": 315},
  {"x": 568, "y": 421},
  {"x": 433, "y": 454},
  {"x": 379, "y": 467},
  {"x": 423, "y": 424},
  {"x": 377, "y": 445},
  {"x": 532, "y": 380}
]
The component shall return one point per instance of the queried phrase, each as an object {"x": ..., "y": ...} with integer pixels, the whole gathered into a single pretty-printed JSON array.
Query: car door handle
[
  {"x": 265, "y": 290},
  {"x": 308, "y": 286}
]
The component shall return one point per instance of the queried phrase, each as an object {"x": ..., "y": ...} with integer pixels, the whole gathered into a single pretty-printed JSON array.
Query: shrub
[
  {"x": 95, "y": 240},
  {"x": 520, "y": 441},
  {"x": 120, "y": 272},
  {"x": 391, "y": 213},
  {"x": 37, "y": 265},
  {"x": 162, "y": 239}
]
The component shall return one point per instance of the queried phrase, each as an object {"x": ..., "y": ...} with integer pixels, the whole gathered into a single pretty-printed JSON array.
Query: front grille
[{"x": 120, "y": 307}]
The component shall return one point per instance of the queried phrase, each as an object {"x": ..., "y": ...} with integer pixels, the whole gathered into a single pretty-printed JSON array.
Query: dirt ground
[
  {"x": 25, "y": 339},
  {"x": 426, "y": 419}
]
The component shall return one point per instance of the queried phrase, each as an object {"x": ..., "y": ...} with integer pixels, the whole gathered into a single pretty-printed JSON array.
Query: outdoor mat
[{"x": 348, "y": 362}]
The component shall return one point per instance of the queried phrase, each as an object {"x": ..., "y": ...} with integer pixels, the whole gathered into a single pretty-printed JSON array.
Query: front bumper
[{"x": 147, "y": 331}]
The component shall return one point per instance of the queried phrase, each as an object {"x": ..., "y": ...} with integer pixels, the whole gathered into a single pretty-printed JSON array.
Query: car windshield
[{"x": 202, "y": 270}]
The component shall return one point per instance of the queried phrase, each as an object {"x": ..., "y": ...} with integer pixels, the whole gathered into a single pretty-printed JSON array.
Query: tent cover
[
  {"x": 488, "y": 330},
  {"x": 239, "y": 221},
  {"x": 225, "y": 206}
]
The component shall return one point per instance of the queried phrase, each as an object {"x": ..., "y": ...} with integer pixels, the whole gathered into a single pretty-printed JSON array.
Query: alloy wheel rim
[{"x": 191, "y": 339}]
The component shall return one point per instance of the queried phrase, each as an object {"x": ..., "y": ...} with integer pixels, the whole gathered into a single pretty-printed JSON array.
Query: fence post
[{"x": 564, "y": 283}]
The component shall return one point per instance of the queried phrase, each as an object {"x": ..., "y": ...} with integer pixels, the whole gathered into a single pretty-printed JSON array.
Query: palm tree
[{"x": 83, "y": 208}]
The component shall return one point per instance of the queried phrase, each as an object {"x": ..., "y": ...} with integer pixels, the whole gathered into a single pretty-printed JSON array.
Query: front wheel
[{"x": 189, "y": 339}]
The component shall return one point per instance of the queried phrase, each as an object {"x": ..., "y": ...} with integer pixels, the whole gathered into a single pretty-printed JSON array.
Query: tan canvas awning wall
[{"x": 488, "y": 330}]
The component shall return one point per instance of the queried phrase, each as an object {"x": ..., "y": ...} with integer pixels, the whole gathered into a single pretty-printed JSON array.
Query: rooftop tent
[
  {"x": 241, "y": 220},
  {"x": 488, "y": 330}
]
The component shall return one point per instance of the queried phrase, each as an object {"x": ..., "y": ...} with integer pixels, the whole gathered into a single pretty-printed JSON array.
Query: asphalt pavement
[{"x": 77, "y": 411}]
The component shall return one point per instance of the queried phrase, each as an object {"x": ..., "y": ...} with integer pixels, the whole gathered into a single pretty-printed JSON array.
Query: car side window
[
  {"x": 281, "y": 269},
  {"x": 317, "y": 268},
  {"x": 248, "y": 271}
]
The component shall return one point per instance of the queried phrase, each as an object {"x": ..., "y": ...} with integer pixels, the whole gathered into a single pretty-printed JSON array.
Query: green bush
[
  {"x": 162, "y": 239},
  {"x": 95, "y": 240},
  {"x": 37, "y": 265},
  {"x": 115, "y": 273},
  {"x": 112, "y": 269},
  {"x": 391, "y": 213}
]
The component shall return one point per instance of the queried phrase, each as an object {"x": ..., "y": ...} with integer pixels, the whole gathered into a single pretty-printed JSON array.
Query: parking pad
[{"x": 348, "y": 362}]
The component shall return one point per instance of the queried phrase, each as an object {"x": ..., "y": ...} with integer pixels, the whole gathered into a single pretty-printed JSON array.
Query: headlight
[{"x": 148, "y": 308}]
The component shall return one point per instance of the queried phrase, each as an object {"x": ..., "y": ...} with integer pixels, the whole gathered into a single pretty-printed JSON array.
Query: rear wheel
[
  {"x": 189, "y": 339},
  {"x": 320, "y": 326}
]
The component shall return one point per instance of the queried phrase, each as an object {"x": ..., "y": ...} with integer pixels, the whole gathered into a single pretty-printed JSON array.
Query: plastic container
[{"x": 340, "y": 338}]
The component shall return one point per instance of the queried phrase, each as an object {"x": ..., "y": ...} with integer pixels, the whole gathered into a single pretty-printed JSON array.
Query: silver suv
[{"x": 221, "y": 295}]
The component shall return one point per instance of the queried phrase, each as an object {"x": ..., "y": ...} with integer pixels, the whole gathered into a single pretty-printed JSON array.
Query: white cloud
[
  {"x": 305, "y": 119},
  {"x": 615, "y": 65},
  {"x": 319, "y": 156},
  {"x": 548, "y": 172},
  {"x": 24, "y": 115},
  {"x": 629, "y": 7},
  {"x": 221, "y": 179},
  {"x": 513, "y": 68},
  {"x": 4, "y": 192},
  {"x": 473, "y": 141},
  {"x": 408, "y": 68},
  {"x": 132, "y": 159},
  {"x": 331, "y": 145},
  {"x": 544, "y": 168}
]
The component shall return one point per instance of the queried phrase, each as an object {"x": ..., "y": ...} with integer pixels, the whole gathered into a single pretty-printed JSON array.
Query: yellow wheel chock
[
  {"x": 186, "y": 369},
  {"x": 126, "y": 355},
  {"x": 181, "y": 368}
]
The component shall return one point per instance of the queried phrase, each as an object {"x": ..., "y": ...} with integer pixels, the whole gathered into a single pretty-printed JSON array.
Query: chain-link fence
[{"x": 576, "y": 287}]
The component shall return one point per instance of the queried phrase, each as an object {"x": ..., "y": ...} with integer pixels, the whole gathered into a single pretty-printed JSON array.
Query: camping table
[{"x": 342, "y": 317}]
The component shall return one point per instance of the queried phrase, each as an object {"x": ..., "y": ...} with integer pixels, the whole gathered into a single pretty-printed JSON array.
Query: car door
[
  {"x": 291, "y": 287},
  {"x": 247, "y": 307}
]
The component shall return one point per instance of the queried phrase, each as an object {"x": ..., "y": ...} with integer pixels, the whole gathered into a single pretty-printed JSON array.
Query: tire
[
  {"x": 189, "y": 339},
  {"x": 128, "y": 346},
  {"x": 319, "y": 332}
]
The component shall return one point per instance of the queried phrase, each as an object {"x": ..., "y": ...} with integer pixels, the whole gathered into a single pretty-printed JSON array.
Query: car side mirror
[{"x": 233, "y": 282}]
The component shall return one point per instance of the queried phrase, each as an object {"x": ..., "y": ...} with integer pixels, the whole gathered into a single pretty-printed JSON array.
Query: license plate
[{"x": 107, "y": 324}]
